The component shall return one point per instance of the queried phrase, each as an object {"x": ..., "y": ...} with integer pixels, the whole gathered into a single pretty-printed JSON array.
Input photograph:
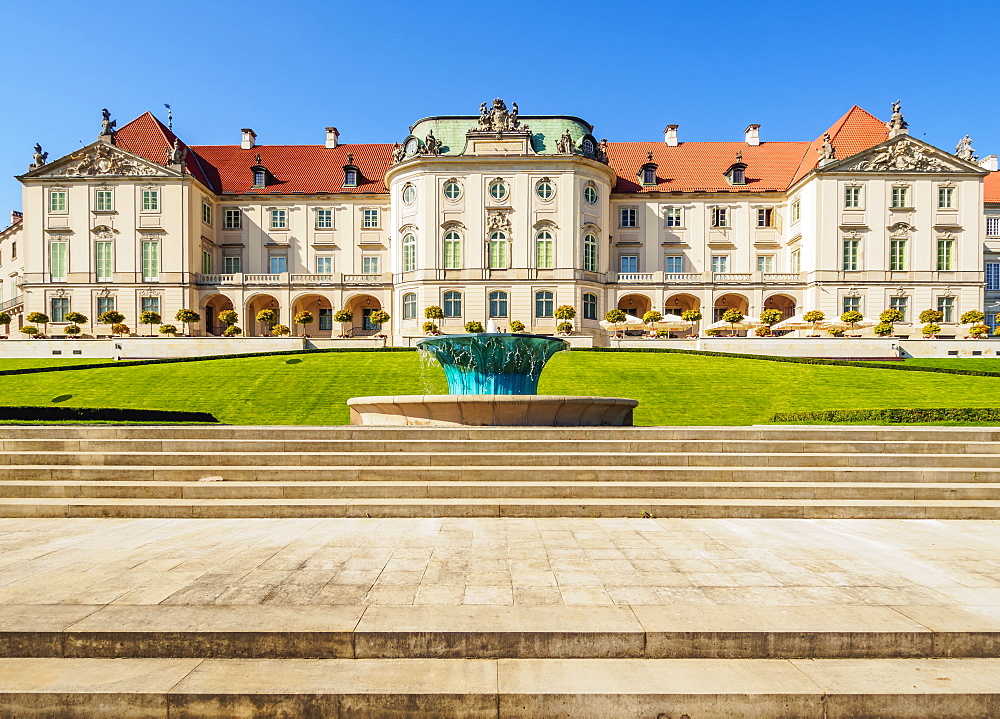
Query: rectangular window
[
  {"x": 498, "y": 254},
  {"x": 13, "y": 250},
  {"x": 765, "y": 263},
  {"x": 371, "y": 218},
  {"x": 589, "y": 253},
  {"x": 452, "y": 304},
  {"x": 324, "y": 219},
  {"x": 104, "y": 201},
  {"x": 720, "y": 263},
  {"x": 946, "y": 306},
  {"x": 897, "y": 255},
  {"x": 899, "y": 303},
  {"x": 795, "y": 261},
  {"x": 720, "y": 217},
  {"x": 369, "y": 265},
  {"x": 58, "y": 255},
  {"x": 628, "y": 217},
  {"x": 589, "y": 306},
  {"x": 852, "y": 304},
  {"x": 60, "y": 306},
  {"x": 765, "y": 217},
  {"x": 796, "y": 211},
  {"x": 993, "y": 276},
  {"x": 543, "y": 253},
  {"x": 150, "y": 200},
  {"x": 279, "y": 219},
  {"x": 675, "y": 217},
  {"x": 852, "y": 197},
  {"x": 852, "y": 255},
  {"x": 233, "y": 219},
  {"x": 628, "y": 264},
  {"x": 278, "y": 264},
  {"x": 206, "y": 213},
  {"x": 674, "y": 264},
  {"x": 993, "y": 226},
  {"x": 232, "y": 265},
  {"x": 326, "y": 318},
  {"x": 105, "y": 304},
  {"x": 151, "y": 304},
  {"x": 945, "y": 255},
  {"x": 409, "y": 306},
  {"x": 324, "y": 265},
  {"x": 105, "y": 261},
  {"x": 206, "y": 262},
  {"x": 150, "y": 261},
  {"x": 57, "y": 201},
  {"x": 900, "y": 197},
  {"x": 498, "y": 304},
  {"x": 946, "y": 198}
]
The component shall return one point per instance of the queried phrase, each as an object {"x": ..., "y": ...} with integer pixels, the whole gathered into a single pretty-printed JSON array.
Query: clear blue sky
[{"x": 288, "y": 69}]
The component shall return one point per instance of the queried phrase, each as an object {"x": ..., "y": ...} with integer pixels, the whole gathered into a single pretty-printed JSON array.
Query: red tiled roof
[
  {"x": 855, "y": 132},
  {"x": 297, "y": 168},
  {"x": 147, "y": 137},
  {"x": 699, "y": 166},
  {"x": 991, "y": 187}
]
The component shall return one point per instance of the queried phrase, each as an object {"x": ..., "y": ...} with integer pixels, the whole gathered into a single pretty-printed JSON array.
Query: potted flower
[
  {"x": 168, "y": 330},
  {"x": 120, "y": 329},
  {"x": 931, "y": 316},
  {"x": 433, "y": 312},
  {"x": 72, "y": 330},
  {"x": 566, "y": 313},
  {"x": 615, "y": 317},
  {"x": 852, "y": 317},
  {"x": 835, "y": 332},
  {"x": 430, "y": 329},
  {"x": 74, "y": 318},
  {"x": 978, "y": 330},
  {"x": 474, "y": 327},
  {"x": 713, "y": 332},
  {"x": 29, "y": 330},
  {"x": 763, "y": 331},
  {"x": 187, "y": 317},
  {"x": 303, "y": 318},
  {"x": 733, "y": 316},
  {"x": 229, "y": 317},
  {"x": 883, "y": 329},
  {"x": 691, "y": 316},
  {"x": 344, "y": 317},
  {"x": 111, "y": 318},
  {"x": 150, "y": 318},
  {"x": 267, "y": 317},
  {"x": 814, "y": 316},
  {"x": 280, "y": 331},
  {"x": 379, "y": 317},
  {"x": 930, "y": 331},
  {"x": 516, "y": 326},
  {"x": 232, "y": 331},
  {"x": 564, "y": 329},
  {"x": 769, "y": 317},
  {"x": 973, "y": 318},
  {"x": 39, "y": 318}
]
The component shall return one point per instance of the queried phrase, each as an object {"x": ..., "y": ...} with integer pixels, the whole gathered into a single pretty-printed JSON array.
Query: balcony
[
  {"x": 285, "y": 279},
  {"x": 14, "y": 302},
  {"x": 708, "y": 278},
  {"x": 634, "y": 278}
]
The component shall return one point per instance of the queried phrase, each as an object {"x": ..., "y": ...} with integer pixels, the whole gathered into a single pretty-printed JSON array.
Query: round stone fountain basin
[{"x": 492, "y": 410}]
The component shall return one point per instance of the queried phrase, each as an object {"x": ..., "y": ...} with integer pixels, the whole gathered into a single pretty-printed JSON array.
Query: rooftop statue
[
  {"x": 176, "y": 154},
  {"x": 897, "y": 125},
  {"x": 40, "y": 157},
  {"x": 827, "y": 151},
  {"x": 964, "y": 150},
  {"x": 107, "y": 124},
  {"x": 496, "y": 118},
  {"x": 565, "y": 145}
]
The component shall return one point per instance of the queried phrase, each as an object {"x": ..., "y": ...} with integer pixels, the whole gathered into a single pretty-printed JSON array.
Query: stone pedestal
[{"x": 489, "y": 410}]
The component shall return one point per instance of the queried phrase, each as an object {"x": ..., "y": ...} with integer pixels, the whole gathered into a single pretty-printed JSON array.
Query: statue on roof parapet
[
  {"x": 897, "y": 125},
  {"x": 39, "y": 157},
  {"x": 176, "y": 154},
  {"x": 565, "y": 145},
  {"x": 496, "y": 118},
  {"x": 965, "y": 151},
  {"x": 432, "y": 145},
  {"x": 827, "y": 152},
  {"x": 107, "y": 126}
]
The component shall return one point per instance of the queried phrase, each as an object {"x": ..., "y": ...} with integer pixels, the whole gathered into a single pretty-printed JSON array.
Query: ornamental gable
[
  {"x": 100, "y": 159},
  {"x": 903, "y": 154}
]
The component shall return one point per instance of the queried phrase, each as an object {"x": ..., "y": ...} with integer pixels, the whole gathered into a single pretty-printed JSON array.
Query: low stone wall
[
  {"x": 54, "y": 349},
  {"x": 950, "y": 348}
]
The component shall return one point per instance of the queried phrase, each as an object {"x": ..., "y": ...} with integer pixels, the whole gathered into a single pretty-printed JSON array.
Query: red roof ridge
[{"x": 149, "y": 138}]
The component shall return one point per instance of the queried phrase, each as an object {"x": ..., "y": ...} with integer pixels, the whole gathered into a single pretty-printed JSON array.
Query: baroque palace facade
[{"x": 505, "y": 217}]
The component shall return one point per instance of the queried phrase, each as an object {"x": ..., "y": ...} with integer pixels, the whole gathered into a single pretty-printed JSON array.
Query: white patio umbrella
[
  {"x": 745, "y": 324},
  {"x": 630, "y": 322},
  {"x": 839, "y": 324},
  {"x": 796, "y": 323},
  {"x": 672, "y": 322}
]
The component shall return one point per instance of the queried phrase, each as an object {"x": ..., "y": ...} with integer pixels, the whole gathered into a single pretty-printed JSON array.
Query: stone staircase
[{"x": 752, "y": 472}]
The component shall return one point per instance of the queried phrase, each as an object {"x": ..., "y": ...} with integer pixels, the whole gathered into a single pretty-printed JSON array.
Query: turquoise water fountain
[{"x": 492, "y": 363}]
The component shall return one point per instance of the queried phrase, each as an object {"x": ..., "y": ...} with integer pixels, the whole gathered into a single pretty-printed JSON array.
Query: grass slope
[
  {"x": 672, "y": 389},
  {"x": 32, "y": 362}
]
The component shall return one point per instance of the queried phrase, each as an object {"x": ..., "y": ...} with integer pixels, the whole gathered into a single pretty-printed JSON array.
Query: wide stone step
[
  {"x": 503, "y": 507},
  {"x": 497, "y": 490},
  {"x": 502, "y": 473},
  {"x": 535, "y": 459},
  {"x": 477, "y": 632},
  {"x": 618, "y": 446},
  {"x": 627, "y": 688}
]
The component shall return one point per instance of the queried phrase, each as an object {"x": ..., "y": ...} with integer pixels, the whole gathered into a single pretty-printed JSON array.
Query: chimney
[
  {"x": 753, "y": 134},
  {"x": 989, "y": 163},
  {"x": 332, "y": 137},
  {"x": 670, "y": 135},
  {"x": 249, "y": 140},
  {"x": 16, "y": 216}
]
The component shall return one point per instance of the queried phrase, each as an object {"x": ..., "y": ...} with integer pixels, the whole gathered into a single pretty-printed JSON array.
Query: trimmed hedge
[
  {"x": 102, "y": 414},
  {"x": 201, "y": 358},
  {"x": 938, "y": 414},
  {"x": 795, "y": 360}
]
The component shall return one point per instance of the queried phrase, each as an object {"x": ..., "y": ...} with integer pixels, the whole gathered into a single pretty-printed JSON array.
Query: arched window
[
  {"x": 543, "y": 250},
  {"x": 498, "y": 251},
  {"x": 452, "y": 250},
  {"x": 590, "y": 253},
  {"x": 589, "y": 306},
  {"x": 544, "y": 304},
  {"x": 409, "y": 253},
  {"x": 409, "y": 306},
  {"x": 452, "y": 304},
  {"x": 498, "y": 304}
]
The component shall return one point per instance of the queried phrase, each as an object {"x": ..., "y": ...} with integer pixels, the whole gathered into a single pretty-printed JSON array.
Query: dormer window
[
  {"x": 647, "y": 174},
  {"x": 261, "y": 176},
  {"x": 737, "y": 172},
  {"x": 352, "y": 175}
]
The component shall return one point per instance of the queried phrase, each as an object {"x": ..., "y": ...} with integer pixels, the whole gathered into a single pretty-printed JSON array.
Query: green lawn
[
  {"x": 26, "y": 363},
  {"x": 671, "y": 388},
  {"x": 985, "y": 364}
]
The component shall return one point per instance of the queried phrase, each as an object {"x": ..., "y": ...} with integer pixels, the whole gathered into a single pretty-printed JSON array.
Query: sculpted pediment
[
  {"x": 101, "y": 160},
  {"x": 903, "y": 154}
]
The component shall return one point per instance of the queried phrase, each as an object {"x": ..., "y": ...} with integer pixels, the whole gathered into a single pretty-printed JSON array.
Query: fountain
[{"x": 492, "y": 381}]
